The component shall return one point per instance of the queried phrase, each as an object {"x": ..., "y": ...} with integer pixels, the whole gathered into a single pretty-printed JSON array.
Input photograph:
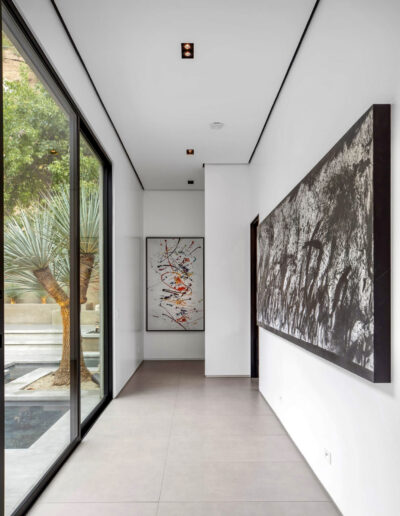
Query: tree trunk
[
  {"x": 86, "y": 264},
  {"x": 86, "y": 268},
  {"x": 46, "y": 278},
  {"x": 63, "y": 374}
]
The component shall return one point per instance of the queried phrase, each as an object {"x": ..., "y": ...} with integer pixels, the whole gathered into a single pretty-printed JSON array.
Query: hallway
[{"x": 176, "y": 443}]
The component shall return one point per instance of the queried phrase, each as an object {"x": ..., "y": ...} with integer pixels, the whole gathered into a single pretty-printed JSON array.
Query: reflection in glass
[
  {"x": 91, "y": 279},
  {"x": 37, "y": 271}
]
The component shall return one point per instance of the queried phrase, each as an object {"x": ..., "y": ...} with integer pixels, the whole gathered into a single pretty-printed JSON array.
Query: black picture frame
[
  {"x": 147, "y": 271},
  {"x": 381, "y": 141}
]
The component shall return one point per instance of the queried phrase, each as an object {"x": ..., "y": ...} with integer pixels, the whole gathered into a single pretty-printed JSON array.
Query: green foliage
[
  {"x": 39, "y": 237},
  {"x": 33, "y": 127},
  {"x": 37, "y": 176},
  {"x": 12, "y": 291},
  {"x": 36, "y": 142},
  {"x": 28, "y": 242},
  {"x": 89, "y": 228}
]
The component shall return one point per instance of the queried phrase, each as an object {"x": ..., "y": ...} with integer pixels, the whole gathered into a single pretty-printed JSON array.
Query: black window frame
[{"x": 78, "y": 126}]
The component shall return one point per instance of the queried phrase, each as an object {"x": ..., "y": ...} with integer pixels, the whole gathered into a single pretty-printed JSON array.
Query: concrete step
[{"x": 32, "y": 338}]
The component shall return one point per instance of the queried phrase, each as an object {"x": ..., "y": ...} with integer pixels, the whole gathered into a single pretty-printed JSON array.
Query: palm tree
[{"x": 36, "y": 255}]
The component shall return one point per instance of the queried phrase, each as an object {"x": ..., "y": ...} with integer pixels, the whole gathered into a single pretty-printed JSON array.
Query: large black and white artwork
[{"x": 323, "y": 266}]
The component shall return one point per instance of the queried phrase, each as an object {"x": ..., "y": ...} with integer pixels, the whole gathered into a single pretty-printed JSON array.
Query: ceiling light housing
[
  {"x": 190, "y": 152},
  {"x": 217, "y": 125},
  {"x": 190, "y": 182},
  {"x": 187, "y": 50}
]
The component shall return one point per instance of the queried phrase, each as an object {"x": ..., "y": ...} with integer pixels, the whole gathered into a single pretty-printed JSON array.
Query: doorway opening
[{"x": 253, "y": 298}]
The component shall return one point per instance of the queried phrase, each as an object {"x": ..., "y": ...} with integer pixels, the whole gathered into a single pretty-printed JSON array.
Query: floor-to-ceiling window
[
  {"x": 36, "y": 130},
  {"x": 56, "y": 301},
  {"x": 92, "y": 279}
]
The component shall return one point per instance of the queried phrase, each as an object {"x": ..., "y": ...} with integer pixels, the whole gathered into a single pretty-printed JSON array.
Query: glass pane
[
  {"x": 91, "y": 279},
  {"x": 37, "y": 269}
]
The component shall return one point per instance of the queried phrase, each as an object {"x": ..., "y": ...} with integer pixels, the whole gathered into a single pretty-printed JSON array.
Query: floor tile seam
[
  {"x": 229, "y": 434},
  {"x": 243, "y": 418},
  {"x": 235, "y": 461},
  {"x": 111, "y": 502},
  {"x": 249, "y": 501},
  {"x": 258, "y": 500},
  {"x": 169, "y": 439},
  {"x": 103, "y": 502},
  {"x": 298, "y": 449},
  {"x": 223, "y": 433},
  {"x": 168, "y": 445}
]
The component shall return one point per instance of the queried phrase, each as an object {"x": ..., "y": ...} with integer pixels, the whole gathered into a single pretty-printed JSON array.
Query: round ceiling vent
[{"x": 217, "y": 125}]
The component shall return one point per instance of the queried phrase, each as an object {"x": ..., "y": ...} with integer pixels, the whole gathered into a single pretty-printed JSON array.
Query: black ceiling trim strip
[
  {"x": 285, "y": 77},
  {"x": 94, "y": 87}
]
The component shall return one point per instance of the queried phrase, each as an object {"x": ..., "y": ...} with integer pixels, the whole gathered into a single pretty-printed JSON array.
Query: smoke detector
[{"x": 217, "y": 125}]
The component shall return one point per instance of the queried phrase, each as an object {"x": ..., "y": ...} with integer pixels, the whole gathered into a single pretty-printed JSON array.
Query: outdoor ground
[{"x": 38, "y": 421}]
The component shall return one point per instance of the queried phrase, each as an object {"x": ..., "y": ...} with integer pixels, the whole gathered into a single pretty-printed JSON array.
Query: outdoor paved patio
[{"x": 38, "y": 344}]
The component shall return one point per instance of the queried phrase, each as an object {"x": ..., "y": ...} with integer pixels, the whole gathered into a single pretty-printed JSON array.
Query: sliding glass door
[
  {"x": 56, "y": 357},
  {"x": 37, "y": 140},
  {"x": 92, "y": 279}
]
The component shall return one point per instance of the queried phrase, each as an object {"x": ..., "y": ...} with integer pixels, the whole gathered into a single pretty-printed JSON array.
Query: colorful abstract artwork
[
  {"x": 175, "y": 284},
  {"x": 324, "y": 254}
]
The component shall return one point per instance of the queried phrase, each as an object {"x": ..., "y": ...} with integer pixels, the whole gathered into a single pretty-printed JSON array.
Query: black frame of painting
[
  {"x": 254, "y": 330},
  {"x": 147, "y": 270},
  {"x": 382, "y": 250}
]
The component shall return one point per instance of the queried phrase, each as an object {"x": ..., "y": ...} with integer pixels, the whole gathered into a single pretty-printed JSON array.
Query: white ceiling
[{"x": 162, "y": 104}]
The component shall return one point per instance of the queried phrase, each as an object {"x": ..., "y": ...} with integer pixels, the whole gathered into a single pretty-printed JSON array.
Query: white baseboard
[
  {"x": 172, "y": 358},
  {"x": 227, "y": 376}
]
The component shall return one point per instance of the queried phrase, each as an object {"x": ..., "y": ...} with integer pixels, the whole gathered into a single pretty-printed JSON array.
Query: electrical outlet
[{"x": 328, "y": 456}]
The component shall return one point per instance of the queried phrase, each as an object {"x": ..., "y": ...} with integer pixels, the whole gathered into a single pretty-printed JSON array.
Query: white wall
[
  {"x": 173, "y": 213},
  {"x": 228, "y": 214},
  {"x": 349, "y": 60},
  {"x": 127, "y": 194}
]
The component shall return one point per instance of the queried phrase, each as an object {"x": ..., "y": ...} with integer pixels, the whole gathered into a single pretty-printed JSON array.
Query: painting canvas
[
  {"x": 323, "y": 264},
  {"x": 175, "y": 284}
]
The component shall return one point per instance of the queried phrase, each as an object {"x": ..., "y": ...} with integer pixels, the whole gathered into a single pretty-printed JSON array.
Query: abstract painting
[
  {"x": 175, "y": 284},
  {"x": 323, "y": 259}
]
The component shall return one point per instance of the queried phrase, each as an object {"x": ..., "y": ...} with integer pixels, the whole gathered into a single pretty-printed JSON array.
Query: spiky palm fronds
[
  {"x": 59, "y": 206},
  {"x": 23, "y": 281},
  {"x": 28, "y": 242},
  {"x": 60, "y": 269},
  {"x": 39, "y": 238},
  {"x": 89, "y": 220}
]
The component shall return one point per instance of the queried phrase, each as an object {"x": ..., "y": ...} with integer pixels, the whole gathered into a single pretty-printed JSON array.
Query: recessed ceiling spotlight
[
  {"x": 190, "y": 152},
  {"x": 217, "y": 125},
  {"x": 190, "y": 182},
  {"x": 187, "y": 50}
]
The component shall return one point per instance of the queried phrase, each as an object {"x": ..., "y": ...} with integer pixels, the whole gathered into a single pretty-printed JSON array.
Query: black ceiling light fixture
[
  {"x": 190, "y": 152},
  {"x": 190, "y": 182},
  {"x": 187, "y": 50}
]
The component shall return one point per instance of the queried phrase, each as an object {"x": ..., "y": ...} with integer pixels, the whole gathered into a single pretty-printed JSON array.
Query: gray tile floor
[{"x": 175, "y": 443}]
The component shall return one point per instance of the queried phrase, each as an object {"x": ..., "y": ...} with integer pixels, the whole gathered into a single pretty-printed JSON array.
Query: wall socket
[{"x": 328, "y": 456}]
